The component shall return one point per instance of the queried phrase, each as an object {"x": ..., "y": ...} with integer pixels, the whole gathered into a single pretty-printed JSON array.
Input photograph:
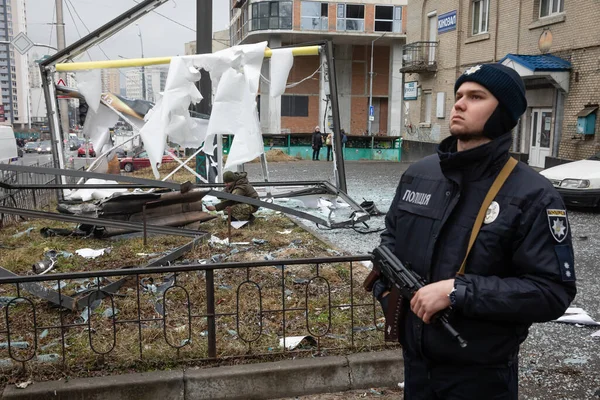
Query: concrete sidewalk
[{"x": 253, "y": 381}]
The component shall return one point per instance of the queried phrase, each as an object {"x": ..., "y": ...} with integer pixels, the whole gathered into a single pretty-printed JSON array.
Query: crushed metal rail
[
  {"x": 112, "y": 288},
  {"x": 318, "y": 187},
  {"x": 165, "y": 230}
]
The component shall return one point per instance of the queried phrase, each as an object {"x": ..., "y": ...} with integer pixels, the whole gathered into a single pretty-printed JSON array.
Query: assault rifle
[{"x": 408, "y": 282}]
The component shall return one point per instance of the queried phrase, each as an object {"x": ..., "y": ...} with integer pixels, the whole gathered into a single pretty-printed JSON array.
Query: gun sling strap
[{"x": 500, "y": 179}]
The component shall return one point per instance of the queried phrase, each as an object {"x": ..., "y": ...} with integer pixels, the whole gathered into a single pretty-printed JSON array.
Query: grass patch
[{"x": 326, "y": 302}]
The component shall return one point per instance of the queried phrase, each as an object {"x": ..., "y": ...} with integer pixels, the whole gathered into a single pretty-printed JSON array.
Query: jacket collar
[{"x": 474, "y": 164}]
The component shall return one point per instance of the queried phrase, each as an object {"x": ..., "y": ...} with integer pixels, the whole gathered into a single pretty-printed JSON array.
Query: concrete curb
[{"x": 256, "y": 381}]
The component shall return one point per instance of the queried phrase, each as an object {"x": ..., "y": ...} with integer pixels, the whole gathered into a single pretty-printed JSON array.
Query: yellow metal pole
[{"x": 139, "y": 62}]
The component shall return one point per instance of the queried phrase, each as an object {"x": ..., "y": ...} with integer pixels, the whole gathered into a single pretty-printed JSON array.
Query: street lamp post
[
  {"x": 143, "y": 69},
  {"x": 371, "y": 84}
]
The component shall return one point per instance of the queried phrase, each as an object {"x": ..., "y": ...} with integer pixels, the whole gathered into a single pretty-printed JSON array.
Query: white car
[{"x": 578, "y": 182}]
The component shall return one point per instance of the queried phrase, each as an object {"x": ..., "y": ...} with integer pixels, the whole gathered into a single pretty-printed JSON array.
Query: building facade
[
  {"x": 111, "y": 80},
  {"x": 553, "y": 44},
  {"x": 156, "y": 78},
  {"x": 355, "y": 27},
  {"x": 133, "y": 83},
  {"x": 220, "y": 41},
  {"x": 14, "y": 67}
]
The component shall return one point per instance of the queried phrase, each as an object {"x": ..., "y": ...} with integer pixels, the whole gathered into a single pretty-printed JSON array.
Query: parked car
[
  {"x": 74, "y": 144},
  {"x": 82, "y": 149},
  {"x": 31, "y": 147},
  {"x": 44, "y": 147},
  {"x": 140, "y": 160},
  {"x": 578, "y": 182}
]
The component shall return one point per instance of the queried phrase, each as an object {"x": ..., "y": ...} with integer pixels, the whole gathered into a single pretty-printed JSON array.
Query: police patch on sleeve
[
  {"x": 565, "y": 263},
  {"x": 559, "y": 225}
]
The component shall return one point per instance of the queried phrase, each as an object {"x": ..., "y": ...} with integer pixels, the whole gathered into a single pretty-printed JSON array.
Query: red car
[
  {"x": 141, "y": 160},
  {"x": 81, "y": 150}
]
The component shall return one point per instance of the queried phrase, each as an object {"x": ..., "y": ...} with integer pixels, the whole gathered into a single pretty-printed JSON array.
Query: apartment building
[
  {"x": 14, "y": 68},
  {"x": 354, "y": 28},
  {"x": 111, "y": 80},
  {"x": 553, "y": 44},
  {"x": 220, "y": 41}
]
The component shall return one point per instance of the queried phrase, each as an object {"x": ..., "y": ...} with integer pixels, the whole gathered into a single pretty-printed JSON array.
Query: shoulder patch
[
  {"x": 565, "y": 262},
  {"x": 558, "y": 223}
]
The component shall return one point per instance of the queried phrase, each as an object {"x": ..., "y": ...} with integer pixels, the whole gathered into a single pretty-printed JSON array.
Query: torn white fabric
[
  {"x": 89, "y": 84},
  {"x": 98, "y": 194},
  {"x": 233, "y": 98},
  {"x": 96, "y": 126},
  {"x": 236, "y": 96},
  {"x": 170, "y": 116},
  {"x": 292, "y": 342},
  {"x": 92, "y": 253},
  {"x": 281, "y": 65}
]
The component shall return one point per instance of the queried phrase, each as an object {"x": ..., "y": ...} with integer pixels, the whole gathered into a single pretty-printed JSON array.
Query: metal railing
[
  {"x": 25, "y": 198},
  {"x": 196, "y": 312},
  {"x": 419, "y": 57}
]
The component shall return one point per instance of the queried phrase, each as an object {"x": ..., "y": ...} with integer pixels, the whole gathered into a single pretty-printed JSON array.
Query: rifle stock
[{"x": 408, "y": 283}]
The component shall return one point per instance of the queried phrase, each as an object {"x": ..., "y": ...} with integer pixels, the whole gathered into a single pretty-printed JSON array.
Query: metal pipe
[
  {"x": 229, "y": 226},
  {"x": 144, "y": 89},
  {"x": 133, "y": 62},
  {"x": 204, "y": 14},
  {"x": 100, "y": 222},
  {"x": 179, "y": 269},
  {"x": 339, "y": 168},
  {"x": 371, "y": 85},
  {"x": 210, "y": 313},
  {"x": 145, "y": 226}
]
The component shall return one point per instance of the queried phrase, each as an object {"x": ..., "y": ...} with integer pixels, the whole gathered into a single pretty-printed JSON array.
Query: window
[
  {"x": 294, "y": 106},
  {"x": 551, "y": 7},
  {"x": 481, "y": 16},
  {"x": 350, "y": 17},
  {"x": 388, "y": 19},
  {"x": 314, "y": 16},
  {"x": 272, "y": 15}
]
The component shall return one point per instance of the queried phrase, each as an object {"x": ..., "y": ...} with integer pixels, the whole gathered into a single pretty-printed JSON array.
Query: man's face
[{"x": 473, "y": 106}]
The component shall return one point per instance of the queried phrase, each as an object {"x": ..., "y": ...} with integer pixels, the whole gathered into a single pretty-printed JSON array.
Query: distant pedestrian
[
  {"x": 317, "y": 143},
  {"x": 329, "y": 144}
]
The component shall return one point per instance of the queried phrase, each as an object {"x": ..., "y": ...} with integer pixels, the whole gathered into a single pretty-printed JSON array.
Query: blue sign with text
[{"x": 447, "y": 22}]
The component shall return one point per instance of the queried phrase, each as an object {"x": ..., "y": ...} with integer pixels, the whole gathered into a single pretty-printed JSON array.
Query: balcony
[{"x": 419, "y": 57}]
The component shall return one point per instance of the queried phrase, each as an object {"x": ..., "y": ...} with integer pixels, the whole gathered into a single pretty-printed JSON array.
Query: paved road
[{"x": 558, "y": 361}]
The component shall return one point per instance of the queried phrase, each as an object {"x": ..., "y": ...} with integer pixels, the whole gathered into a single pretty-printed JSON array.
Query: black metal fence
[
  {"x": 25, "y": 198},
  {"x": 196, "y": 312}
]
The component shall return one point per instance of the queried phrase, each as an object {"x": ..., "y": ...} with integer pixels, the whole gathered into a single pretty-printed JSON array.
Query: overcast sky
[{"x": 161, "y": 37}]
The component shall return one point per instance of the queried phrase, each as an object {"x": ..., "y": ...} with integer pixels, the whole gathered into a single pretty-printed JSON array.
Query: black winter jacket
[
  {"x": 519, "y": 271},
  {"x": 317, "y": 140}
]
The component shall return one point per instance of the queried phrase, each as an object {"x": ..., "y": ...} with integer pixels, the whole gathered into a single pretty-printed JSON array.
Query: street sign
[
  {"x": 371, "y": 118},
  {"x": 371, "y": 111},
  {"x": 61, "y": 82},
  {"x": 22, "y": 43}
]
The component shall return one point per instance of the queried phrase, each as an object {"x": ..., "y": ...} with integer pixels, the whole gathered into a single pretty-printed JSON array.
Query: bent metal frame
[{"x": 61, "y": 62}]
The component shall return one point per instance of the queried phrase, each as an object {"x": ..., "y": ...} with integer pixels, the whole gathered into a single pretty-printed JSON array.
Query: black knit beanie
[{"x": 507, "y": 87}]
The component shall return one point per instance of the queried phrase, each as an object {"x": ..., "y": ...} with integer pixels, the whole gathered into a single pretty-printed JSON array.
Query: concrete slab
[
  {"x": 163, "y": 385},
  {"x": 253, "y": 381},
  {"x": 376, "y": 369},
  {"x": 269, "y": 380}
]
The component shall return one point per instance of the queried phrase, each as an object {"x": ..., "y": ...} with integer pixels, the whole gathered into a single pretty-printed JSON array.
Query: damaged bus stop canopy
[{"x": 311, "y": 188}]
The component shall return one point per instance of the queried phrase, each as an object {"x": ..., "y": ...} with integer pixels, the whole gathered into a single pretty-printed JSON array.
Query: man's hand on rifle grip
[{"x": 431, "y": 299}]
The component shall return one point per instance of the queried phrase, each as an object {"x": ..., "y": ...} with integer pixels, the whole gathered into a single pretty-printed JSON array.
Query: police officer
[{"x": 519, "y": 270}]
